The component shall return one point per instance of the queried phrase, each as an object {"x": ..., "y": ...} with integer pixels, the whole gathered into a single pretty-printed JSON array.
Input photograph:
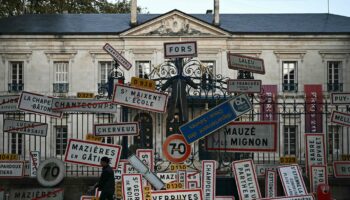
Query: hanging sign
[
  {"x": 93, "y": 138},
  {"x": 9, "y": 156},
  {"x": 271, "y": 183},
  {"x": 90, "y": 153},
  {"x": 292, "y": 180},
  {"x": 11, "y": 169},
  {"x": 167, "y": 177},
  {"x": 117, "y": 129},
  {"x": 262, "y": 168},
  {"x": 36, "y": 194},
  {"x": 175, "y": 149},
  {"x": 37, "y": 103},
  {"x": 313, "y": 112},
  {"x": 318, "y": 175},
  {"x": 215, "y": 118},
  {"x": 246, "y": 180},
  {"x": 340, "y": 98},
  {"x": 85, "y": 95},
  {"x": 244, "y": 86},
  {"x": 244, "y": 137},
  {"x": 341, "y": 169},
  {"x": 268, "y": 104},
  {"x": 132, "y": 186},
  {"x": 8, "y": 103},
  {"x": 83, "y": 105},
  {"x": 315, "y": 150},
  {"x": 139, "y": 98},
  {"x": 194, "y": 194},
  {"x": 146, "y": 156},
  {"x": 117, "y": 56},
  {"x": 143, "y": 83},
  {"x": 180, "y": 49},
  {"x": 245, "y": 63},
  {"x": 208, "y": 179},
  {"x": 25, "y": 127},
  {"x": 299, "y": 197},
  {"x": 34, "y": 162},
  {"x": 340, "y": 118}
]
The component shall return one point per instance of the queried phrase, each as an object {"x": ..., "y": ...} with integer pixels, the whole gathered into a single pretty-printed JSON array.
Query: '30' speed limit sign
[{"x": 175, "y": 148}]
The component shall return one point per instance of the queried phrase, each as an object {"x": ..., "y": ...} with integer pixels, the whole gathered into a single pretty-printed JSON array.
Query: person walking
[{"x": 106, "y": 184}]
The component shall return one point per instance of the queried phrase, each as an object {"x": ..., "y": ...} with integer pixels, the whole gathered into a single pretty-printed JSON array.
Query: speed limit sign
[
  {"x": 50, "y": 172},
  {"x": 175, "y": 148}
]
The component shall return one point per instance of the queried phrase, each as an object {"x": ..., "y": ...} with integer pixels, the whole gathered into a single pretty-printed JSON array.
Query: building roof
[{"x": 92, "y": 24}]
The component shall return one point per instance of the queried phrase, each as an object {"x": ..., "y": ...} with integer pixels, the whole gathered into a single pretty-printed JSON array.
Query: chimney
[
  {"x": 216, "y": 13},
  {"x": 133, "y": 20},
  {"x": 209, "y": 12}
]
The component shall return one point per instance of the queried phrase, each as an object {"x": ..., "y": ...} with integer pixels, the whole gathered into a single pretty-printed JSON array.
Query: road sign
[
  {"x": 90, "y": 153},
  {"x": 83, "y": 105},
  {"x": 143, "y": 83},
  {"x": 215, "y": 118},
  {"x": 85, "y": 95},
  {"x": 117, "y": 129},
  {"x": 25, "y": 127},
  {"x": 288, "y": 160},
  {"x": 146, "y": 156},
  {"x": 208, "y": 179},
  {"x": 132, "y": 186},
  {"x": 271, "y": 183},
  {"x": 11, "y": 169},
  {"x": 9, "y": 103},
  {"x": 177, "y": 194},
  {"x": 245, "y": 63},
  {"x": 175, "y": 148},
  {"x": 140, "y": 98},
  {"x": 244, "y": 86},
  {"x": 244, "y": 137},
  {"x": 37, "y": 103},
  {"x": 180, "y": 49},
  {"x": 50, "y": 172},
  {"x": 315, "y": 150},
  {"x": 117, "y": 56},
  {"x": 299, "y": 197},
  {"x": 93, "y": 138},
  {"x": 9, "y": 156},
  {"x": 318, "y": 175},
  {"x": 341, "y": 169},
  {"x": 34, "y": 157},
  {"x": 340, "y": 118},
  {"x": 292, "y": 180},
  {"x": 341, "y": 98},
  {"x": 37, "y": 194}
]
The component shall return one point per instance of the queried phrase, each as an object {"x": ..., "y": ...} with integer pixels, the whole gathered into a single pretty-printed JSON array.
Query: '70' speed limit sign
[{"x": 175, "y": 148}]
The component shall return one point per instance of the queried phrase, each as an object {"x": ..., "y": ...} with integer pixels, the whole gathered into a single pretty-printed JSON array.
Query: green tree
[{"x": 19, "y": 7}]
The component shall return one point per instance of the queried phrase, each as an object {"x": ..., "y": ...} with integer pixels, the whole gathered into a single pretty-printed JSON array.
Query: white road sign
[
  {"x": 180, "y": 49},
  {"x": 37, "y": 103},
  {"x": 246, "y": 180},
  {"x": 340, "y": 118},
  {"x": 194, "y": 194},
  {"x": 25, "y": 127},
  {"x": 262, "y": 168},
  {"x": 11, "y": 169},
  {"x": 209, "y": 179},
  {"x": 315, "y": 150},
  {"x": 271, "y": 183},
  {"x": 341, "y": 169},
  {"x": 245, "y": 63},
  {"x": 299, "y": 197},
  {"x": 139, "y": 98},
  {"x": 132, "y": 186},
  {"x": 90, "y": 153},
  {"x": 318, "y": 175},
  {"x": 117, "y": 56},
  {"x": 83, "y": 105},
  {"x": 116, "y": 129},
  {"x": 167, "y": 177},
  {"x": 292, "y": 180},
  {"x": 34, "y": 160},
  {"x": 340, "y": 98},
  {"x": 244, "y": 86},
  {"x": 146, "y": 156},
  {"x": 9, "y": 103},
  {"x": 37, "y": 194}
]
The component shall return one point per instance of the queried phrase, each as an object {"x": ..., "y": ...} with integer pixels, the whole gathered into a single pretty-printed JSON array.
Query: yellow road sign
[
  {"x": 143, "y": 83},
  {"x": 85, "y": 95}
]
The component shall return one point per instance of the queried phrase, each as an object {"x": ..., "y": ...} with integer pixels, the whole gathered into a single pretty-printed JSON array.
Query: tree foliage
[{"x": 19, "y": 7}]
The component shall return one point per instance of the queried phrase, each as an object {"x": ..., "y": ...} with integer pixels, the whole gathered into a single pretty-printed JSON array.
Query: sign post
[{"x": 180, "y": 49}]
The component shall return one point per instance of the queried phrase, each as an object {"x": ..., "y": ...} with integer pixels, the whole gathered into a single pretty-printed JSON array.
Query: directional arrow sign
[
  {"x": 117, "y": 56},
  {"x": 240, "y": 62},
  {"x": 215, "y": 118}
]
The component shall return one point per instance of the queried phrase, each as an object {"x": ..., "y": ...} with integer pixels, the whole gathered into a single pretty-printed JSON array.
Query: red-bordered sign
[
  {"x": 88, "y": 153},
  {"x": 117, "y": 129},
  {"x": 193, "y": 176},
  {"x": 146, "y": 156},
  {"x": 292, "y": 180},
  {"x": 85, "y": 197},
  {"x": 191, "y": 185},
  {"x": 271, "y": 183},
  {"x": 315, "y": 147},
  {"x": 209, "y": 179},
  {"x": 8, "y": 103},
  {"x": 11, "y": 169},
  {"x": 180, "y": 49},
  {"x": 37, "y": 103},
  {"x": 318, "y": 175},
  {"x": 298, "y": 197},
  {"x": 59, "y": 190},
  {"x": 117, "y": 56},
  {"x": 340, "y": 118},
  {"x": 341, "y": 169},
  {"x": 175, "y": 148},
  {"x": 246, "y": 63},
  {"x": 340, "y": 98},
  {"x": 132, "y": 186},
  {"x": 244, "y": 172},
  {"x": 224, "y": 198},
  {"x": 177, "y": 194},
  {"x": 244, "y": 86}
]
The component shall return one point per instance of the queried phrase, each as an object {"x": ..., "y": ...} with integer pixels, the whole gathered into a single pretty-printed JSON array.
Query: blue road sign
[{"x": 215, "y": 118}]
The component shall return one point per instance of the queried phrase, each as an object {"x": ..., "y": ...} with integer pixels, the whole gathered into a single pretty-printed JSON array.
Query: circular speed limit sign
[
  {"x": 50, "y": 172},
  {"x": 175, "y": 148}
]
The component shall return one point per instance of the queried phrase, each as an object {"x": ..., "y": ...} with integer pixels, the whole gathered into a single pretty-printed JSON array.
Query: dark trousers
[{"x": 106, "y": 195}]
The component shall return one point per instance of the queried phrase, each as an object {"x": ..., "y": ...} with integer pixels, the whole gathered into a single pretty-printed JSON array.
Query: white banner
[
  {"x": 25, "y": 127},
  {"x": 246, "y": 180},
  {"x": 299, "y": 197},
  {"x": 271, "y": 183},
  {"x": 9, "y": 103},
  {"x": 208, "y": 179},
  {"x": 315, "y": 150},
  {"x": 318, "y": 175},
  {"x": 11, "y": 169},
  {"x": 34, "y": 160},
  {"x": 84, "y": 105},
  {"x": 341, "y": 169},
  {"x": 37, "y": 103},
  {"x": 292, "y": 180},
  {"x": 132, "y": 186},
  {"x": 195, "y": 194},
  {"x": 117, "y": 129},
  {"x": 139, "y": 98},
  {"x": 90, "y": 153}
]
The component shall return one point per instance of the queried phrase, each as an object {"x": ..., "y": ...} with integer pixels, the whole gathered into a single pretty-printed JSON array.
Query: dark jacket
[{"x": 106, "y": 182}]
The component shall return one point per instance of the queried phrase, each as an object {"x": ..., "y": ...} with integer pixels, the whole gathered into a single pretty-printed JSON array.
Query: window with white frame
[
  {"x": 333, "y": 140},
  {"x": 61, "y": 139},
  {"x": 15, "y": 76},
  {"x": 61, "y": 77},
  {"x": 289, "y": 143},
  {"x": 104, "y": 68},
  {"x": 144, "y": 68},
  {"x": 334, "y": 76},
  {"x": 16, "y": 143},
  {"x": 290, "y": 81}
]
